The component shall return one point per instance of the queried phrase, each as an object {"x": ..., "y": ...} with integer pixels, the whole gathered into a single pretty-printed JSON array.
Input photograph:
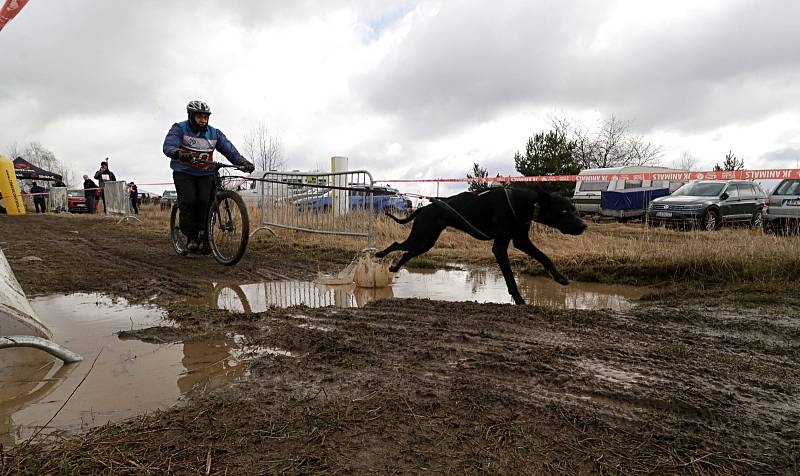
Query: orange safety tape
[{"x": 766, "y": 174}]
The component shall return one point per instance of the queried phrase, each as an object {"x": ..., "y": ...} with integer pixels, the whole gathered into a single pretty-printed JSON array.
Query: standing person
[
  {"x": 89, "y": 192},
  {"x": 38, "y": 197},
  {"x": 63, "y": 206},
  {"x": 191, "y": 145},
  {"x": 133, "y": 192},
  {"x": 104, "y": 175},
  {"x": 58, "y": 182}
]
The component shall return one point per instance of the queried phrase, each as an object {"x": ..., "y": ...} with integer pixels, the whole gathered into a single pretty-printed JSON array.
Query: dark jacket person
[
  {"x": 89, "y": 192},
  {"x": 104, "y": 175}
]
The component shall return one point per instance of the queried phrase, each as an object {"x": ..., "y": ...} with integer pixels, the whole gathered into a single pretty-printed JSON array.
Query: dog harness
[
  {"x": 461, "y": 218},
  {"x": 473, "y": 228}
]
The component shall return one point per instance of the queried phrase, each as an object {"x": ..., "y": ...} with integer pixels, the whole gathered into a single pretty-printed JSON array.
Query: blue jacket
[{"x": 201, "y": 144}]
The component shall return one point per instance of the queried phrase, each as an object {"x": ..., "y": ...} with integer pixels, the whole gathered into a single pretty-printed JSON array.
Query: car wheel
[
  {"x": 757, "y": 220},
  {"x": 711, "y": 220}
]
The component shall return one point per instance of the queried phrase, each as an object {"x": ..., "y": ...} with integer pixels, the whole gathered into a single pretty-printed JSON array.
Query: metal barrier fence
[
  {"x": 339, "y": 203},
  {"x": 57, "y": 199},
  {"x": 118, "y": 201}
]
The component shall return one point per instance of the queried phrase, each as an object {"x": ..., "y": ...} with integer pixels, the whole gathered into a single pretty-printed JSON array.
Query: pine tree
[
  {"x": 478, "y": 173},
  {"x": 549, "y": 154}
]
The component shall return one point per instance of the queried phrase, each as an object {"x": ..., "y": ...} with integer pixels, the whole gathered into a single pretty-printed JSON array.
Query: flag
[{"x": 10, "y": 10}]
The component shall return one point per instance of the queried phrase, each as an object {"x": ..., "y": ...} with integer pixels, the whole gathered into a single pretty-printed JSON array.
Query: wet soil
[{"x": 693, "y": 379}]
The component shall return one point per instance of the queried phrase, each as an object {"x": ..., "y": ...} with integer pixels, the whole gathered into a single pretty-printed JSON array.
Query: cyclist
[{"x": 191, "y": 145}]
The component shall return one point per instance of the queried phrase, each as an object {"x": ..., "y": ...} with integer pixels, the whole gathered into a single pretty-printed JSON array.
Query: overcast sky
[{"x": 405, "y": 89}]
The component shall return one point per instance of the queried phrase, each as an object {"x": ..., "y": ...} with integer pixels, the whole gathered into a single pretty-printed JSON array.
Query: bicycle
[{"x": 227, "y": 226}]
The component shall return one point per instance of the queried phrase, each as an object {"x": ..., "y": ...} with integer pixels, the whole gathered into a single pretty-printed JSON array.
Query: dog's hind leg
[
  {"x": 524, "y": 244},
  {"x": 500, "y": 250}
]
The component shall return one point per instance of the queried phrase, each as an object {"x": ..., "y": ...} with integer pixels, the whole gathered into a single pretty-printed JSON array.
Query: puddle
[
  {"x": 481, "y": 285},
  {"x": 129, "y": 378}
]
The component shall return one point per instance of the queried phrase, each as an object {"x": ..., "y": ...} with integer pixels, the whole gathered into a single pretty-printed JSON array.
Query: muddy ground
[{"x": 694, "y": 379}]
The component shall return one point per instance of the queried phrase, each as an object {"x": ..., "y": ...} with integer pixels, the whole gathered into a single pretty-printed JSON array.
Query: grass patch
[{"x": 606, "y": 252}]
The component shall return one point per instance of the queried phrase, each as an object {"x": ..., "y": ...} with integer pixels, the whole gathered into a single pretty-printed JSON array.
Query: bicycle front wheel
[{"x": 228, "y": 228}]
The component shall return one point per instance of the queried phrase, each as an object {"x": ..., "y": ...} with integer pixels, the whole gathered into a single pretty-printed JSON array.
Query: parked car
[
  {"x": 782, "y": 212},
  {"x": 709, "y": 204},
  {"x": 168, "y": 198},
  {"x": 148, "y": 197},
  {"x": 76, "y": 202},
  {"x": 588, "y": 194},
  {"x": 383, "y": 199}
]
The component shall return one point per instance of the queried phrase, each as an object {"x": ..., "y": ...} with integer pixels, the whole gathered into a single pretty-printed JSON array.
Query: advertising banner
[{"x": 10, "y": 10}]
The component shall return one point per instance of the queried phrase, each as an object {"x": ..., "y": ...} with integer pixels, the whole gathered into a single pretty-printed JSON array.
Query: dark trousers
[
  {"x": 194, "y": 195},
  {"x": 90, "y": 202},
  {"x": 135, "y": 204},
  {"x": 39, "y": 203}
]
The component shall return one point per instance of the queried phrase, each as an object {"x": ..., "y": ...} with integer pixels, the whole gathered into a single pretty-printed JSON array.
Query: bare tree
[
  {"x": 41, "y": 156},
  {"x": 686, "y": 161},
  {"x": 585, "y": 149},
  {"x": 611, "y": 145},
  {"x": 13, "y": 151},
  {"x": 264, "y": 149}
]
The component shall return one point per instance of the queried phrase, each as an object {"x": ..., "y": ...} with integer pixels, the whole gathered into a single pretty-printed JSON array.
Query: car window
[
  {"x": 789, "y": 187},
  {"x": 700, "y": 189},
  {"x": 593, "y": 186},
  {"x": 675, "y": 185},
  {"x": 732, "y": 191},
  {"x": 633, "y": 184},
  {"x": 746, "y": 190}
]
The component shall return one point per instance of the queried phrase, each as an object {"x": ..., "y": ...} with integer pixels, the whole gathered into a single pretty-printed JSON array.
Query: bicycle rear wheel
[
  {"x": 228, "y": 228},
  {"x": 175, "y": 235}
]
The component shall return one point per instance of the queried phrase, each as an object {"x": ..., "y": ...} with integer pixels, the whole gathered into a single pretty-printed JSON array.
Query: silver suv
[
  {"x": 709, "y": 204},
  {"x": 782, "y": 213}
]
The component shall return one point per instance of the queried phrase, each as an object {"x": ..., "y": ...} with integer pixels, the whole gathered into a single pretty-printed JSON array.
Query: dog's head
[{"x": 558, "y": 212}]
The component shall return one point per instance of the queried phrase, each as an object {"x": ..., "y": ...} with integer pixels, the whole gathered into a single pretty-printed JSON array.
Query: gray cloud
[
  {"x": 787, "y": 157},
  {"x": 468, "y": 64}
]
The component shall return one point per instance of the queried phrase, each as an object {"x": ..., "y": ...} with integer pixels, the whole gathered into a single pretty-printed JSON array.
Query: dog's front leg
[
  {"x": 524, "y": 244},
  {"x": 500, "y": 250},
  {"x": 393, "y": 247}
]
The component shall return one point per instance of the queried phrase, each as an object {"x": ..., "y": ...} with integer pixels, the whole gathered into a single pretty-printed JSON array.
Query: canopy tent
[{"x": 26, "y": 170}]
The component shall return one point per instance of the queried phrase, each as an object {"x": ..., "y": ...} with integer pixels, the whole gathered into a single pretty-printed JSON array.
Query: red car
[{"x": 76, "y": 202}]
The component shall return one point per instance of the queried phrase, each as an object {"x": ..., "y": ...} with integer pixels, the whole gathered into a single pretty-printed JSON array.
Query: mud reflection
[
  {"x": 258, "y": 297},
  {"x": 481, "y": 285},
  {"x": 130, "y": 377}
]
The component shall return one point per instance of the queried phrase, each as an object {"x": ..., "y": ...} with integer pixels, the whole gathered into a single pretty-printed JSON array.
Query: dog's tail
[{"x": 405, "y": 220}]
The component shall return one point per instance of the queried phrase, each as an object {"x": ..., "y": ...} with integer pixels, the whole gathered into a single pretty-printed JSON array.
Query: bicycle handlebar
[{"x": 220, "y": 165}]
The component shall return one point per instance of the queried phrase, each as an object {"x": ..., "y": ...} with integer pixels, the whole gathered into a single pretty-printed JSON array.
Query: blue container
[{"x": 630, "y": 199}]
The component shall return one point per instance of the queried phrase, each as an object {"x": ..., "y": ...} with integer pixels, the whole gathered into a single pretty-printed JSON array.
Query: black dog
[{"x": 498, "y": 214}]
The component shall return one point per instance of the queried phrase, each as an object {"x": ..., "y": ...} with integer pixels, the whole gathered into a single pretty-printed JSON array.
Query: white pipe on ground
[
  {"x": 69, "y": 357},
  {"x": 19, "y": 326}
]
